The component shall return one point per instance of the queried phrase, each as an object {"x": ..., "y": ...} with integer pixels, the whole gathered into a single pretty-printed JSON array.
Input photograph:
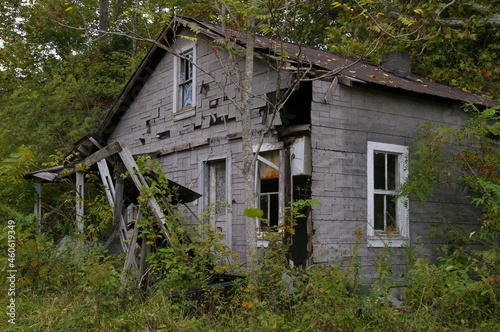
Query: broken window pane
[{"x": 269, "y": 203}]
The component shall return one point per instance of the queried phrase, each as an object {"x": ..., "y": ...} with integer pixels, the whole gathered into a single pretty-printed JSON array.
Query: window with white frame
[
  {"x": 185, "y": 81},
  {"x": 269, "y": 204},
  {"x": 215, "y": 191},
  {"x": 268, "y": 190},
  {"x": 387, "y": 211},
  {"x": 216, "y": 196}
]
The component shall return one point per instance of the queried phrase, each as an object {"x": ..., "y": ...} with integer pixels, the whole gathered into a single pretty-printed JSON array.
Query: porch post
[
  {"x": 38, "y": 206},
  {"x": 79, "y": 201}
]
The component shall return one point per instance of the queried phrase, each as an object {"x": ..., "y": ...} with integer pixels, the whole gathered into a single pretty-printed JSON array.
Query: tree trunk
[
  {"x": 135, "y": 28},
  {"x": 103, "y": 21},
  {"x": 248, "y": 155}
]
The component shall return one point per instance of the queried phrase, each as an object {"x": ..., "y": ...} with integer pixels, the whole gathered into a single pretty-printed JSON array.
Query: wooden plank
[
  {"x": 145, "y": 248},
  {"x": 121, "y": 230},
  {"x": 118, "y": 206},
  {"x": 103, "y": 153},
  {"x": 93, "y": 140},
  {"x": 143, "y": 187},
  {"x": 80, "y": 180},
  {"x": 130, "y": 259},
  {"x": 331, "y": 90},
  {"x": 107, "y": 180},
  {"x": 38, "y": 206},
  {"x": 295, "y": 129},
  {"x": 183, "y": 147},
  {"x": 309, "y": 226},
  {"x": 268, "y": 162}
]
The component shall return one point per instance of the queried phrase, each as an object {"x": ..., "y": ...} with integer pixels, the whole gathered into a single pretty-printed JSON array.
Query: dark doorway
[{"x": 300, "y": 248}]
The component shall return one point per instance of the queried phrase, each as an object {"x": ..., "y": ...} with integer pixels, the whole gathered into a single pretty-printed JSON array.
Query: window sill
[
  {"x": 264, "y": 238},
  {"x": 382, "y": 241},
  {"x": 184, "y": 114},
  {"x": 262, "y": 243}
]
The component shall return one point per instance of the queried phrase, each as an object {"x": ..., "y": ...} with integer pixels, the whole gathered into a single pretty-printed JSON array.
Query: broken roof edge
[{"x": 60, "y": 172}]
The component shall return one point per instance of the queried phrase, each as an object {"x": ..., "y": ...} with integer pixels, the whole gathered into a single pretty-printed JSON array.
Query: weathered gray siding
[
  {"x": 340, "y": 131},
  {"x": 182, "y": 164}
]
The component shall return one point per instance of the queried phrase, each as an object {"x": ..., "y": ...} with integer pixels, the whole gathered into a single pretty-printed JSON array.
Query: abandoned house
[{"x": 342, "y": 136}]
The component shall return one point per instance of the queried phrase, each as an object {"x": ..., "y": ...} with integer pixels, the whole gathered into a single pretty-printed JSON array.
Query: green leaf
[{"x": 253, "y": 213}]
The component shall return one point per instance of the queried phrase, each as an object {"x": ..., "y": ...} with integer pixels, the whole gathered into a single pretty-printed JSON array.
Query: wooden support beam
[
  {"x": 103, "y": 153},
  {"x": 309, "y": 227},
  {"x": 107, "y": 181},
  {"x": 80, "y": 180},
  {"x": 109, "y": 187},
  {"x": 143, "y": 265},
  {"x": 118, "y": 206},
  {"x": 134, "y": 173},
  {"x": 38, "y": 206},
  {"x": 143, "y": 187},
  {"x": 130, "y": 260},
  {"x": 331, "y": 90}
]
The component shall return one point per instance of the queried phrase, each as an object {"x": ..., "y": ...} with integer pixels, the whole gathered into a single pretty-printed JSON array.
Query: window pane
[
  {"x": 269, "y": 202},
  {"x": 215, "y": 187},
  {"x": 264, "y": 203},
  {"x": 187, "y": 96},
  {"x": 379, "y": 213},
  {"x": 189, "y": 66},
  {"x": 273, "y": 211},
  {"x": 379, "y": 170},
  {"x": 220, "y": 187},
  {"x": 391, "y": 171},
  {"x": 186, "y": 70},
  {"x": 391, "y": 213}
]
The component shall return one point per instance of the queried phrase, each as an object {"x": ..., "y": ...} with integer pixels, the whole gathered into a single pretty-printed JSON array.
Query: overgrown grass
[{"x": 78, "y": 291}]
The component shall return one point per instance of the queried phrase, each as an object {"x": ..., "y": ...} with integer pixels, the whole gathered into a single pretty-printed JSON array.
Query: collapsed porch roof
[{"x": 61, "y": 172}]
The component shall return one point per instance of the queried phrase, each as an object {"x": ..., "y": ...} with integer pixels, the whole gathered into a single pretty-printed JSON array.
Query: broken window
[
  {"x": 387, "y": 211},
  {"x": 268, "y": 190},
  {"x": 269, "y": 204},
  {"x": 215, "y": 192}
]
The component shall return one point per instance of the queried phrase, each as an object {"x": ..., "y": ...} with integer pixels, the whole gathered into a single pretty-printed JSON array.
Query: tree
[
  {"x": 455, "y": 42},
  {"x": 467, "y": 159}
]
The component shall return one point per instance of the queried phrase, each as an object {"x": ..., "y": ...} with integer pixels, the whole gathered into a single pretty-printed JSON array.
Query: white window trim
[
  {"x": 266, "y": 147},
  {"x": 202, "y": 161},
  {"x": 177, "y": 61},
  {"x": 402, "y": 218}
]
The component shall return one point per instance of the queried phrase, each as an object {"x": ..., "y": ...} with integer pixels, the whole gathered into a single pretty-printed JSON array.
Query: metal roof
[
  {"x": 322, "y": 62},
  {"x": 355, "y": 69}
]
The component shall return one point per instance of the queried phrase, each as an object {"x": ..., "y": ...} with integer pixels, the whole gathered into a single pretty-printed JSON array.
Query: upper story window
[
  {"x": 387, "y": 212},
  {"x": 185, "y": 81}
]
